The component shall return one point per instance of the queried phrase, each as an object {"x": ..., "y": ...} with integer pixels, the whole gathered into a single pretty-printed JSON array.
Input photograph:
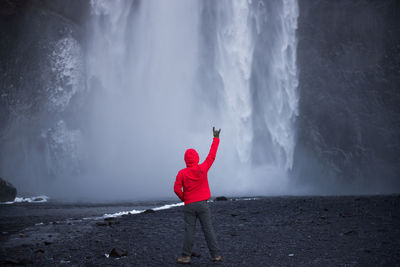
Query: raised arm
[{"x": 206, "y": 165}]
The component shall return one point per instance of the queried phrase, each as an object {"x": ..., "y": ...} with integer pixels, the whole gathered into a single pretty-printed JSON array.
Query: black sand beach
[{"x": 275, "y": 231}]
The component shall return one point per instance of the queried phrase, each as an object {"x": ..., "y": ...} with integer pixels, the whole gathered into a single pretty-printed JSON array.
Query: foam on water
[
  {"x": 37, "y": 199},
  {"x": 119, "y": 214}
]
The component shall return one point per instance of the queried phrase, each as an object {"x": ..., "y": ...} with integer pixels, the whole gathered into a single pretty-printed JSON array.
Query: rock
[
  {"x": 221, "y": 198},
  {"x": 7, "y": 191},
  {"x": 345, "y": 215},
  {"x": 149, "y": 211},
  {"x": 48, "y": 243},
  {"x": 327, "y": 144},
  {"x": 38, "y": 253},
  {"x": 234, "y": 215},
  {"x": 9, "y": 8},
  {"x": 195, "y": 254},
  {"x": 109, "y": 223},
  {"x": 117, "y": 252},
  {"x": 351, "y": 232},
  {"x": 37, "y": 199}
]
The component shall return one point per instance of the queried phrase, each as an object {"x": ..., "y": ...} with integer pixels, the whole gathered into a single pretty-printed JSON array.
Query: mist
[{"x": 144, "y": 68}]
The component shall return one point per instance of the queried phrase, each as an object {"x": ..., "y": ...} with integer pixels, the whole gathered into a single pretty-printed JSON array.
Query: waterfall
[
  {"x": 235, "y": 53},
  {"x": 285, "y": 99},
  {"x": 146, "y": 62},
  {"x": 276, "y": 80},
  {"x": 256, "y": 60}
]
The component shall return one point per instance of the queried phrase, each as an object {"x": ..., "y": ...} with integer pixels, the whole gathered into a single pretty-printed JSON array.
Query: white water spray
[{"x": 235, "y": 54}]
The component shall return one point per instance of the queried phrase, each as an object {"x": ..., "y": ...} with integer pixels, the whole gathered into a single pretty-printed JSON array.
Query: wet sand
[{"x": 275, "y": 231}]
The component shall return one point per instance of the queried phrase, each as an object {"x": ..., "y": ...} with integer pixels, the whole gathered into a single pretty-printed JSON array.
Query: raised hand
[{"x": 216, "y": 133}]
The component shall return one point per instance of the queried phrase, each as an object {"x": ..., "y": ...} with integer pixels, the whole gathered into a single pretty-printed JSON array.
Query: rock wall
[
  {"x": 7, "y": 191},
  {"x": 41, "y": 89},
  {"x": 349, "y": 123}
]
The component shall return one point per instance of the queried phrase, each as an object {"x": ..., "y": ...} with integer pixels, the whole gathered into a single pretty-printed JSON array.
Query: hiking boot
[
  {"x": 218, "y": 258},
  {"x": 184, "y": 260}
]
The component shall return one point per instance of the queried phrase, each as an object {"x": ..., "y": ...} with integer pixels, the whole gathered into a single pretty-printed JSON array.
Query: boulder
[
  {"x": 7, "y": 191},
  {"x": 195, "y": 254},
  {"x": 117, "y": 253}
]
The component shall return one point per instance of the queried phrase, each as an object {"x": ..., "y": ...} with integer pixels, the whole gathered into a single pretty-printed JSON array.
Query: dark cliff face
[
  {"x": 41, "y": 83},
  {"x": 31, "y": 32},
  {"x": 349, "y": 123}
]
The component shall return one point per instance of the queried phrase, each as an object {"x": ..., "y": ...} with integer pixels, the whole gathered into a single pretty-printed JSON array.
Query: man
[{"x": 193, "y": 179}]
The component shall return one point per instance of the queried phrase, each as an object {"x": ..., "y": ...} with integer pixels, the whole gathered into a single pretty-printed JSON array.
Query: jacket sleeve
[
  {"x": 178, "y": 186},
  {"x": 206, "y": 165}
]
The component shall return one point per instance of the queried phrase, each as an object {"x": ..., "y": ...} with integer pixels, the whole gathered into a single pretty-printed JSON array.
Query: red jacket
[{"x": 193, "y": 178}]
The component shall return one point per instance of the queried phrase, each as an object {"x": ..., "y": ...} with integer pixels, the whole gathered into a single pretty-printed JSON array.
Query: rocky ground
[{"x": 276, "y": 231}]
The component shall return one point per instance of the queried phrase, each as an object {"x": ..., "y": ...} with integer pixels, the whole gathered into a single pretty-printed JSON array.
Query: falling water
[
  {"x": 235, "y": 52},
  {"x": 145, "y": 64},
  {"x": 141, "y": 67}
]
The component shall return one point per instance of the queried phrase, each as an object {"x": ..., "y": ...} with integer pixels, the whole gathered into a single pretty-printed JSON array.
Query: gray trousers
[{"x": 193, "y": 211}]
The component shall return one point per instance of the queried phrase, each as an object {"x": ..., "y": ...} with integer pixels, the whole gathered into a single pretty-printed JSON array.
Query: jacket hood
[{"x": 191, "y": 157}]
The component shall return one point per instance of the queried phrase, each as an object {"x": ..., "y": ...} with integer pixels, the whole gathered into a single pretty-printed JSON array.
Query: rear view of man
[{"x": 193, "y": 179}]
